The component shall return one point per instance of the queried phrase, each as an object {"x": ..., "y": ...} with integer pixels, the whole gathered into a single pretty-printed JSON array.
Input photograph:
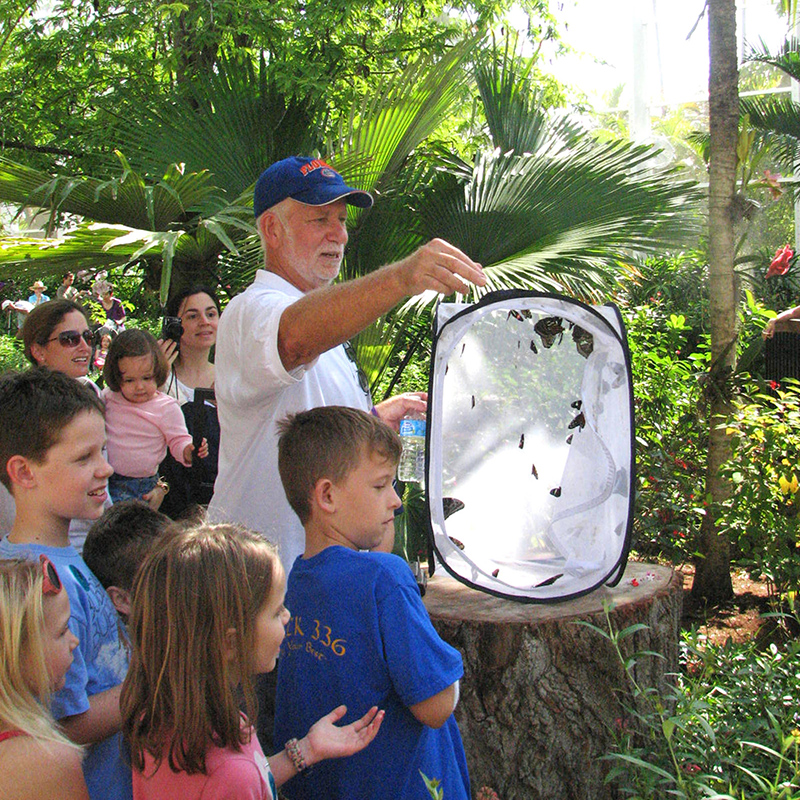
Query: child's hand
[
  {"x": 202, "y": 451},
  {"x": 326, "y": 740}
]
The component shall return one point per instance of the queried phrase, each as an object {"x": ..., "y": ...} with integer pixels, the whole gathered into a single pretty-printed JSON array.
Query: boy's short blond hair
[{"x": 328, "y": 442}]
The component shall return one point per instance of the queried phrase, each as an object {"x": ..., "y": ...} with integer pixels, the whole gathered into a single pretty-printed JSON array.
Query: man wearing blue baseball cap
[{"x": 280, "y": 343}]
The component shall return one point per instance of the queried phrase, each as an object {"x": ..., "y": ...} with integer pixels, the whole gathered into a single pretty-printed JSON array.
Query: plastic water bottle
[{"x": 412, "y": 460}]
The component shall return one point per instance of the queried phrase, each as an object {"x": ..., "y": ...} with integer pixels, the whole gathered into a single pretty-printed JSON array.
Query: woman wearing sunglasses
[{"x": 57, "y": 335}]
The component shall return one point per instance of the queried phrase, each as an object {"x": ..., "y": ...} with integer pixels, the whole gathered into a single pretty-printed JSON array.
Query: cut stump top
[{"x": 449, "y": 599}]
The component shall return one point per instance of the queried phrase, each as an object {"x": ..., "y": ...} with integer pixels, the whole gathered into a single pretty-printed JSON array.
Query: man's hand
[
  {"x": 391, "y": 411},
  {"x": 440, "y": 267}
]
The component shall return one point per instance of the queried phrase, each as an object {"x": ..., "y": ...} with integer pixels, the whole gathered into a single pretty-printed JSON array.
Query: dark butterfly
[
  {"x": 534, "y": 471},
  {"x": 556, "y": 492},
  {"x": 473, "y": 401},
  {"x": 534, "y": 347},
  {"x": 569, "y": 438},
  {"x": 584, "y": 341},
  {"x": 579, "y": 421},
  {"x": 520, "y": 316},
  {"x": 457, "y": 542},
  {"x": 521, "y": 441},
  {"x": 462, "y": 348},
  {"x": 550, "y": 581},
  {"x": 550, "y": 329},
  {"x": 450, "y": 505},
  {"x": 495, "y": 572},
  {"x": 576, "y": 404}
]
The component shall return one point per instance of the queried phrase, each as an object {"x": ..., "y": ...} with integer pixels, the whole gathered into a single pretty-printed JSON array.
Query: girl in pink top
[
  {"x": 36, "y": 644},
  {"x": 141, "y": 422},
  {"x": 207, "y": 614}
]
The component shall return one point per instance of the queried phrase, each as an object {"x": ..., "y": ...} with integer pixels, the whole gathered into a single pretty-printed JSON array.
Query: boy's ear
[
  {"x": 20, "y": 472},
  {"x": 323, "y": 495},
  {"x": 121, "y": 599}
]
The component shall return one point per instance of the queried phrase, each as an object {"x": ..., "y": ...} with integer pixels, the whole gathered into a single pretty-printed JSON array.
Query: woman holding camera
[{"x": 197, "y": 310}]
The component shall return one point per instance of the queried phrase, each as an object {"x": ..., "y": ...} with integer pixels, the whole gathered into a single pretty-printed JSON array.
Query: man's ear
[
  {"x": 271, "y": 228},
  {"x": 324, "y": 495},
  {"x": 20, "y": 472},
  {"x": 121, "y": 599}
]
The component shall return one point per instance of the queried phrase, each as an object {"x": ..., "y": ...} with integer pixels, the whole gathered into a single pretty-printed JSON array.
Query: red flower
[
  {"x": 782, "y": 261},
  {"x": 772, "y": 182}
]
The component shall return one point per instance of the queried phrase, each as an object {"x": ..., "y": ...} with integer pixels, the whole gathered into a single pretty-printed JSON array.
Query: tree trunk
[
  {"x": 542, "y": 694},
  {"x": 712, "y": 581}
]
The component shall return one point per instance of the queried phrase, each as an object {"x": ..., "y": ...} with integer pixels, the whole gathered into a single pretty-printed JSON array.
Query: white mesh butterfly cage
[{"x": 530, "y": 445}]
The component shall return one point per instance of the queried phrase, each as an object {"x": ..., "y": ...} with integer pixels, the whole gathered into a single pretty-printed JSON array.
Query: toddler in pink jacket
[{"x": 141, "y": 422}]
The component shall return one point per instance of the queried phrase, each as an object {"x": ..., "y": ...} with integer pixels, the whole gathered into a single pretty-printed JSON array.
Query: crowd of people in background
[{"x": 139, "y": 648}]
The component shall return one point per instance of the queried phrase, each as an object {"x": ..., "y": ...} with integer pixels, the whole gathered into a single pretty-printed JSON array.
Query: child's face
[
  {"x": 137, "y": 378},
  {"x": 105, "y": 341},
  {"x": 71, "y": 481},
  {"x": 59, "y": 640},
  {"x": 366, "y": 502},
  {"x": 270, "y": 626}
]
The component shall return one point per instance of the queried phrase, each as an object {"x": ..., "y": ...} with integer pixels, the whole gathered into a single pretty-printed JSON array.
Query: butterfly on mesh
[
  {"x": 450, "y": 505},
  {"x": 584, "y": 341},
  {"x": 520, "y": 316},
  {"x": 550, "y": 329}
]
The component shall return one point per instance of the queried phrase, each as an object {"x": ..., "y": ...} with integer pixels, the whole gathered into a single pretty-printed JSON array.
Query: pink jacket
[{"x": 139, "y": 433}]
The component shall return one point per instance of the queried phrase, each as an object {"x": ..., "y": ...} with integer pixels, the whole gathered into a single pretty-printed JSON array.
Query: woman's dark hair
[
  {"x": 174, "y": 303},
  {"x": 131, "y": 344},
  {"x": 42, "y": 321}
]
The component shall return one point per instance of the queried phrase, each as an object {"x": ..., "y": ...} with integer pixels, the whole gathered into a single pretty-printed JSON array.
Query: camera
[{"x": 171, "y": 328}]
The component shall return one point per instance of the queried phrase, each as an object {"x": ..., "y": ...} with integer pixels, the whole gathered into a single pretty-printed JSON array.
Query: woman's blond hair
[
  {"x": 179, "y": 698},
  {"x": 24, "y": 680}
]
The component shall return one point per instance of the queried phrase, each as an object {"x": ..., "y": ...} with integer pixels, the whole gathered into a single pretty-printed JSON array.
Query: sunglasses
[
  {"x": 363, "y": 381},
  {"x": 51, "y": 583},
  {"x": 73, "y": 338}
]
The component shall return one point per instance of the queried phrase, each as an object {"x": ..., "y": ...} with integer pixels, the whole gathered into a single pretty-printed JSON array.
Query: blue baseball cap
[{"x": 306, "y": 180}]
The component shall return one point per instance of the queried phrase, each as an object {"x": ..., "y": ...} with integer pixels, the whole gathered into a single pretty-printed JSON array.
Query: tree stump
[{"x": 541, "y": 694}]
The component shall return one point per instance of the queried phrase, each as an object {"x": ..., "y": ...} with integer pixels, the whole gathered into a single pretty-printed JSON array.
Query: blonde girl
[
  {"x": 207, "y": 615},
  {"x": 36, "y": 759}
]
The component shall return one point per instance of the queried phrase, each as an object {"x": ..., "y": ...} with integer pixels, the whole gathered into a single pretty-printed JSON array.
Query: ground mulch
[{"x": 739, "y": 620}]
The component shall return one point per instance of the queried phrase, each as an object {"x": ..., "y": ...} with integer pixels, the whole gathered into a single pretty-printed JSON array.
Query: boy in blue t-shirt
[
  {"x": 52, "y": 435},
  {"x": 359, "y": 634}
]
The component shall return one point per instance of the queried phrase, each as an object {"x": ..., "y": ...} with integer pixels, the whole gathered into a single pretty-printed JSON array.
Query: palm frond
[
  {"x": 400, "y": 113},
  {"x": 514, "y": 108},
  {"x": 548, "y": 221},
  {"x": 233, "y": 122},
  {"x": 786, "y": 59},
  {"x": 778, "y": 120},
  {"x": 124, "y": 199}
]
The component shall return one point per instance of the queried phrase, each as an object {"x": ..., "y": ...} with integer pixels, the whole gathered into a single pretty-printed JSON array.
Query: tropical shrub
[
  {"x": 670, "y": 437},
  {"x": 727, "y": 729},
  {"x": 761, "y": 516}
]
